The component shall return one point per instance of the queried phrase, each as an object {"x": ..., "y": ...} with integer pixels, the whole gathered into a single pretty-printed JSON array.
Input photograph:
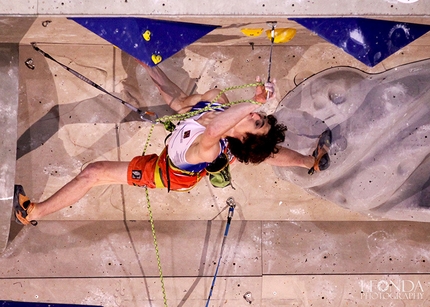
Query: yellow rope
[
  {"x": 166, "y": 120},
  {"x": 157, "y": 253},
  {"x": 151, "y": 221}
]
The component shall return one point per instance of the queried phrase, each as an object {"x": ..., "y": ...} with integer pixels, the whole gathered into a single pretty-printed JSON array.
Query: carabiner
[{"x": 148, "y": 116}]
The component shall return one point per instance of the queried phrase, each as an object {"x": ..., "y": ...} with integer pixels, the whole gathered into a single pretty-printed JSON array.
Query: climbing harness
[
  {"x": 231, "y": 203},
  {"x": 145, "y": 116}
]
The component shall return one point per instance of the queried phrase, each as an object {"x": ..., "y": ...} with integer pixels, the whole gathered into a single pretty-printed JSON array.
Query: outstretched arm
[
  {"x": 170, "y": 92},
  {"x": 174, "y": 97},
  {"x": 289, "y": 157}
]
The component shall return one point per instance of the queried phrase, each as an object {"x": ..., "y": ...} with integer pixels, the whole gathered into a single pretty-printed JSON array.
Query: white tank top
[{"x": 181, "y": 139}]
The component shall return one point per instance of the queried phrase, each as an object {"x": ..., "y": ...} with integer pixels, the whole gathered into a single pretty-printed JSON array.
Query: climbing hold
[
  {"x": 147, "y": 35},
  {"x": 282, "y": 35},
  {"x": 156, "y": 58},
  {"x": 252, "y": 31},
  {"x": 29, "y": 63},
  {"x": 248, "y": 297},
  {"x": 46, "y": 23}
]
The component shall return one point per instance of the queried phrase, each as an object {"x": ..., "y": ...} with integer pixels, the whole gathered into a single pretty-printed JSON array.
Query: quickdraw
[
  {"x": 144, "y": 115},
  {"x": 231, "y": 203},
  {"x": 272, "y": 41}
]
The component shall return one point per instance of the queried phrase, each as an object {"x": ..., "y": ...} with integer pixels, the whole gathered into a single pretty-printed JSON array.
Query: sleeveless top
[{"x": 185, "y": 134}]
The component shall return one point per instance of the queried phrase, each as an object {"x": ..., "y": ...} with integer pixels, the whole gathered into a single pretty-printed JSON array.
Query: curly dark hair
[{"x": 256, "y": 148}]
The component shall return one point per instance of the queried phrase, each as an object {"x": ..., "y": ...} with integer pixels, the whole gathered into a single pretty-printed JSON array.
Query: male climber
[{"x": 196, "y": 145}]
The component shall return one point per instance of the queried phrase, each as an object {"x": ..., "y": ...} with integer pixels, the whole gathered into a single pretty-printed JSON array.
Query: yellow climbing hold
[
  {"x": 147, "y": 35},
  {"x": 282, "y": 35},
  {"x": 252, "y": 32},
  {"x": 156, "y": 58}
]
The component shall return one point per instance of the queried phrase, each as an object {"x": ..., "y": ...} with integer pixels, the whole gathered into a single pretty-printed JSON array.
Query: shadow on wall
[
  {"x": 99, "y": 109},
  {"x": 380, "y": 155}
]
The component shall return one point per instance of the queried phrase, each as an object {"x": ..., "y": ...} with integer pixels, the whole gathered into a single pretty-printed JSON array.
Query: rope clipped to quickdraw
[
  {"x": 145, "y": 116},
  {"x": 232, "y": 205}
]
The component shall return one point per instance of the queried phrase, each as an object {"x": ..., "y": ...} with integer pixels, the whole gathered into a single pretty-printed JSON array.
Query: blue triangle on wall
[
  {"x": 148, "y": 40},
  {"x": 368, "y": 40}
]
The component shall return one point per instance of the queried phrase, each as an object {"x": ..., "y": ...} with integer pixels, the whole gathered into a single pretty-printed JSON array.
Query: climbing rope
[
  {"x": 167, "y": 120},
  {"x": 151, "y": 221},
  {"x": 157, "y": 253}
]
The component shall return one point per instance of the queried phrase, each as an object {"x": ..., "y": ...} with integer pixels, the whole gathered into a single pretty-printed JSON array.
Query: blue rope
[{"x": 231, "y": 203}]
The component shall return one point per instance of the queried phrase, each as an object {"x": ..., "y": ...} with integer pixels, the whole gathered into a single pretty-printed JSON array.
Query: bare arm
[
  {"x": 289, "y": 157},
  {"x": 207, "y": 147},
  {"x": 230, "y": 117},
  {"x": 174, "y": 97}
]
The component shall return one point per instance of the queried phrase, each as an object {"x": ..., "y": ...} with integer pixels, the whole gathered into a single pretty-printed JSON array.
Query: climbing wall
[{"x": 287, "y": 244}]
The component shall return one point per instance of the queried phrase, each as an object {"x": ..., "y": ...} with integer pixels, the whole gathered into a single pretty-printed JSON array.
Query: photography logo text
[{"x": 387, "y": 289}]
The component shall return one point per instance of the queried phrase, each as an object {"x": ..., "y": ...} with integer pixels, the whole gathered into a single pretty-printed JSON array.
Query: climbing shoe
[
  {"x": 22, "y": 206},
  {"x": 322, "y": 159}
]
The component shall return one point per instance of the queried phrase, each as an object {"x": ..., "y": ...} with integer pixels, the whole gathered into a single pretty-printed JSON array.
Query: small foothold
[
  {"x": 156, "y": 58},
  {"x": 29, "y": 63},
  {"x": 248, "y": 297},
  {"x": 46, "y": 23},
  {"x": 147, "y": 35}
]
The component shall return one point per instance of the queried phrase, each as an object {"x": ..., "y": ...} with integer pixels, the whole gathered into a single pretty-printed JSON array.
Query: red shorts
[
  {"x": 141, "y": 171},
  {"x": 155, "y": 171}
]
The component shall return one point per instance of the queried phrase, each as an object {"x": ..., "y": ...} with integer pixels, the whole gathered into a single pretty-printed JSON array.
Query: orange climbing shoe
[
  {"x": 322, "y": 159},
  {"x": 22, "y": 206}
]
